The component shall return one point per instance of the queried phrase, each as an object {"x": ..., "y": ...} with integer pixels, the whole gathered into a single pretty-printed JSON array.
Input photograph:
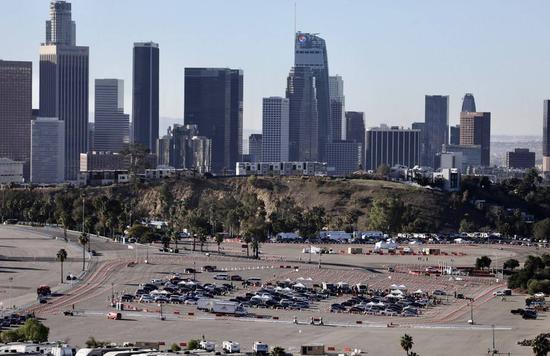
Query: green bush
[
  {"x": 175, "y": 347},
  {"x": 193, "y": 344}
]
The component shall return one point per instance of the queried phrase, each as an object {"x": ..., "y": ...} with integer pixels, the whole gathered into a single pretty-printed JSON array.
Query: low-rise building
[
  {"x": 449, "y": 178},
  {"x": 11, "y": 171},
  {"x": 103, "y": 161},
  {"x": 520, "y": 158},
  {"x": 281, "y": 168}
]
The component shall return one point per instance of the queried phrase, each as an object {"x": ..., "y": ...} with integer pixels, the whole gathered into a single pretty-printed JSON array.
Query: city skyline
[{"x": 373, "y": 71}]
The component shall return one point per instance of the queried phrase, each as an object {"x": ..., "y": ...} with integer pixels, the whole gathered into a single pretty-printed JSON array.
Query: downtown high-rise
[
  {"x": 546, "y": 137},
  {"x": 16, "y": 111},
  {"x": 275, "y": 120},
  {"x": 475, "y": 129},
  {"x": 214, "y": 102},
  {"x": 64, "y": 72},
  {"x": 337, "y": 123},
  {"x": 111, "y": 129},
  {"x": 303, "y": 136},
  {"x": 145, "y": 95},
  {"x": 436, "y": 128},
  {"x": 468, "y": 103},
  {"x": 310, "y": 52}
]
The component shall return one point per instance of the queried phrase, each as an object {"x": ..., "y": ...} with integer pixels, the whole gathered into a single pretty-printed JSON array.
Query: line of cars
[
  {"x": 13, "y": 320},
  {"x": 284, "y": 295},
  {"x": 176, "y": 290}
]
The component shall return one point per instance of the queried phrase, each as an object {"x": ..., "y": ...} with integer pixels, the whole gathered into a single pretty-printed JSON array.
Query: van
[{"x": 114, "y": 316}]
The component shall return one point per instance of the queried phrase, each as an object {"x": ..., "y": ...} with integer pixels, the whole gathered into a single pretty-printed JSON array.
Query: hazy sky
[{"x": 390, "y": 53}]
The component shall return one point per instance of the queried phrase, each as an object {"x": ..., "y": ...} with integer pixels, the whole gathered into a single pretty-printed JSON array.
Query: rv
[{"x": 231, "y": 347}]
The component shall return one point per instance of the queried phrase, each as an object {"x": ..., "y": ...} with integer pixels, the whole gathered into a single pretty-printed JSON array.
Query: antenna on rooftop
[{"x": 294, "y": 19}]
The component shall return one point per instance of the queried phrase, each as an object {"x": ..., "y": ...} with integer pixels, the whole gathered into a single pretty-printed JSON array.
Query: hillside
[{"x": 336, "y": 196}]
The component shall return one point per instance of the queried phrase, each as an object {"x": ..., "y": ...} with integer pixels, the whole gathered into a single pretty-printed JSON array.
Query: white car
[
  {"x": 499, "y": 293},
  {"x": 146, "y": 298},
  {"x": 222, "y": 276}
]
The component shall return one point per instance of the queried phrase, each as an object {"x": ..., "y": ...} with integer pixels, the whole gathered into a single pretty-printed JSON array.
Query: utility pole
[{"x": 494, "y": 350}]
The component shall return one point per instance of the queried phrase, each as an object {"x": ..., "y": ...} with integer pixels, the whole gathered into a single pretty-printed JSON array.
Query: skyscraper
[
  {"x": 183, "y": 148},
  {"x": 64, "y": 84},
  {"x": 145, "y": 94},
  {"x": 436, "y": 132},
  {"x": 47, "y": 150},
  {"x": 475, "y": 129},
  {"x": 60, "y": 28},
  {"x": 355, "y": 131},
  {"x": 16, "y": 111},
  {"x": 455, "y": 135},
  {"x": 255, "y": 147},
  {"x": 468, "y": 103},
  {"x": 311, "y": 52},
  {"x": 111, "y": 129},
  {"x": 304, "y": 137},
  {"x": 546, "y": 137},
  {"x": 337, "y": 109},
  {"x": 275, "y": 121},
  {"x": 214, "y": 102}
]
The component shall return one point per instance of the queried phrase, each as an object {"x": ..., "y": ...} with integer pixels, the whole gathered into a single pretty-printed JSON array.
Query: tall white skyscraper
[
  {"x": 337, "y": 108},
  {"x": 275, "y": 129},
  {"x": 47, "y": 150},
  {"x": 111, "y": 130}
]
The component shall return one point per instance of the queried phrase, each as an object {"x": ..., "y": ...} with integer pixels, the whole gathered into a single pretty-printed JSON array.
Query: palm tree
[
  {"x": 541, "y": 345},
  {"x": 407, "y": 343},
  {"x": 61, "y": 257},
  {"x": 219, "y": 240},
  {"x": 83, "y": 239}
]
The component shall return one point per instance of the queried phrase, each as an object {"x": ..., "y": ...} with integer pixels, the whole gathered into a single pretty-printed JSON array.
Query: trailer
[{"x": 227, "y": 307}]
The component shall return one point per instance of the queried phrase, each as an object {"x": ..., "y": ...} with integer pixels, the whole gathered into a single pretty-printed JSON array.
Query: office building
[
  {"x": 436, "y": 127},
  {"x": 255, "y": 147},
  {"x": 392, "y": 146},
  {"x": 183, "y": 148},
  {"x": 355, "y": 131},
  {"x": 145, "y": 95},
  {"x": 60, "y": 28},
  {"x": 103, "y": 161},
  {"x": 475, "y": 129},
  {"x": 311, "y": 52},
  {"x": 91, "y": 135},
  {"x": 520, "y": 158},
  {"x": 421, "y": 127},
  {"x": 281, "y": 169},
  {"x": 454, "y": 138},
  {"x": 343, "y": 158},
  {"x": 303, "y": 131},
  {"x": 450, "y": 160},
  {"x": 546, "y": 137},
  {"x": 275, "y": 129},
  {"x": 11, "y": 171},
  {"x": 448, "y": 179},
  {"x": 64, "y": 71},
  {"x": 16, "y": 111},
  {"x": 337, "y": 123},
  {"x": 47, "y": 150},
  {"x": 468, "y": 103},
  {"x": 111, "y": 130},
  {"x": 214, "y": 102},
  {"x": 471, "y": 155}
]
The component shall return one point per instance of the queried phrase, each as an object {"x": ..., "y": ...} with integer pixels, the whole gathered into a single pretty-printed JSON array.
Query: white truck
[
  {"x": 260, "y": 347},
  {"x": 231, "y": 347},
  {"x": 205, "y": 304},
  {"x": 226, "y": 307}
]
